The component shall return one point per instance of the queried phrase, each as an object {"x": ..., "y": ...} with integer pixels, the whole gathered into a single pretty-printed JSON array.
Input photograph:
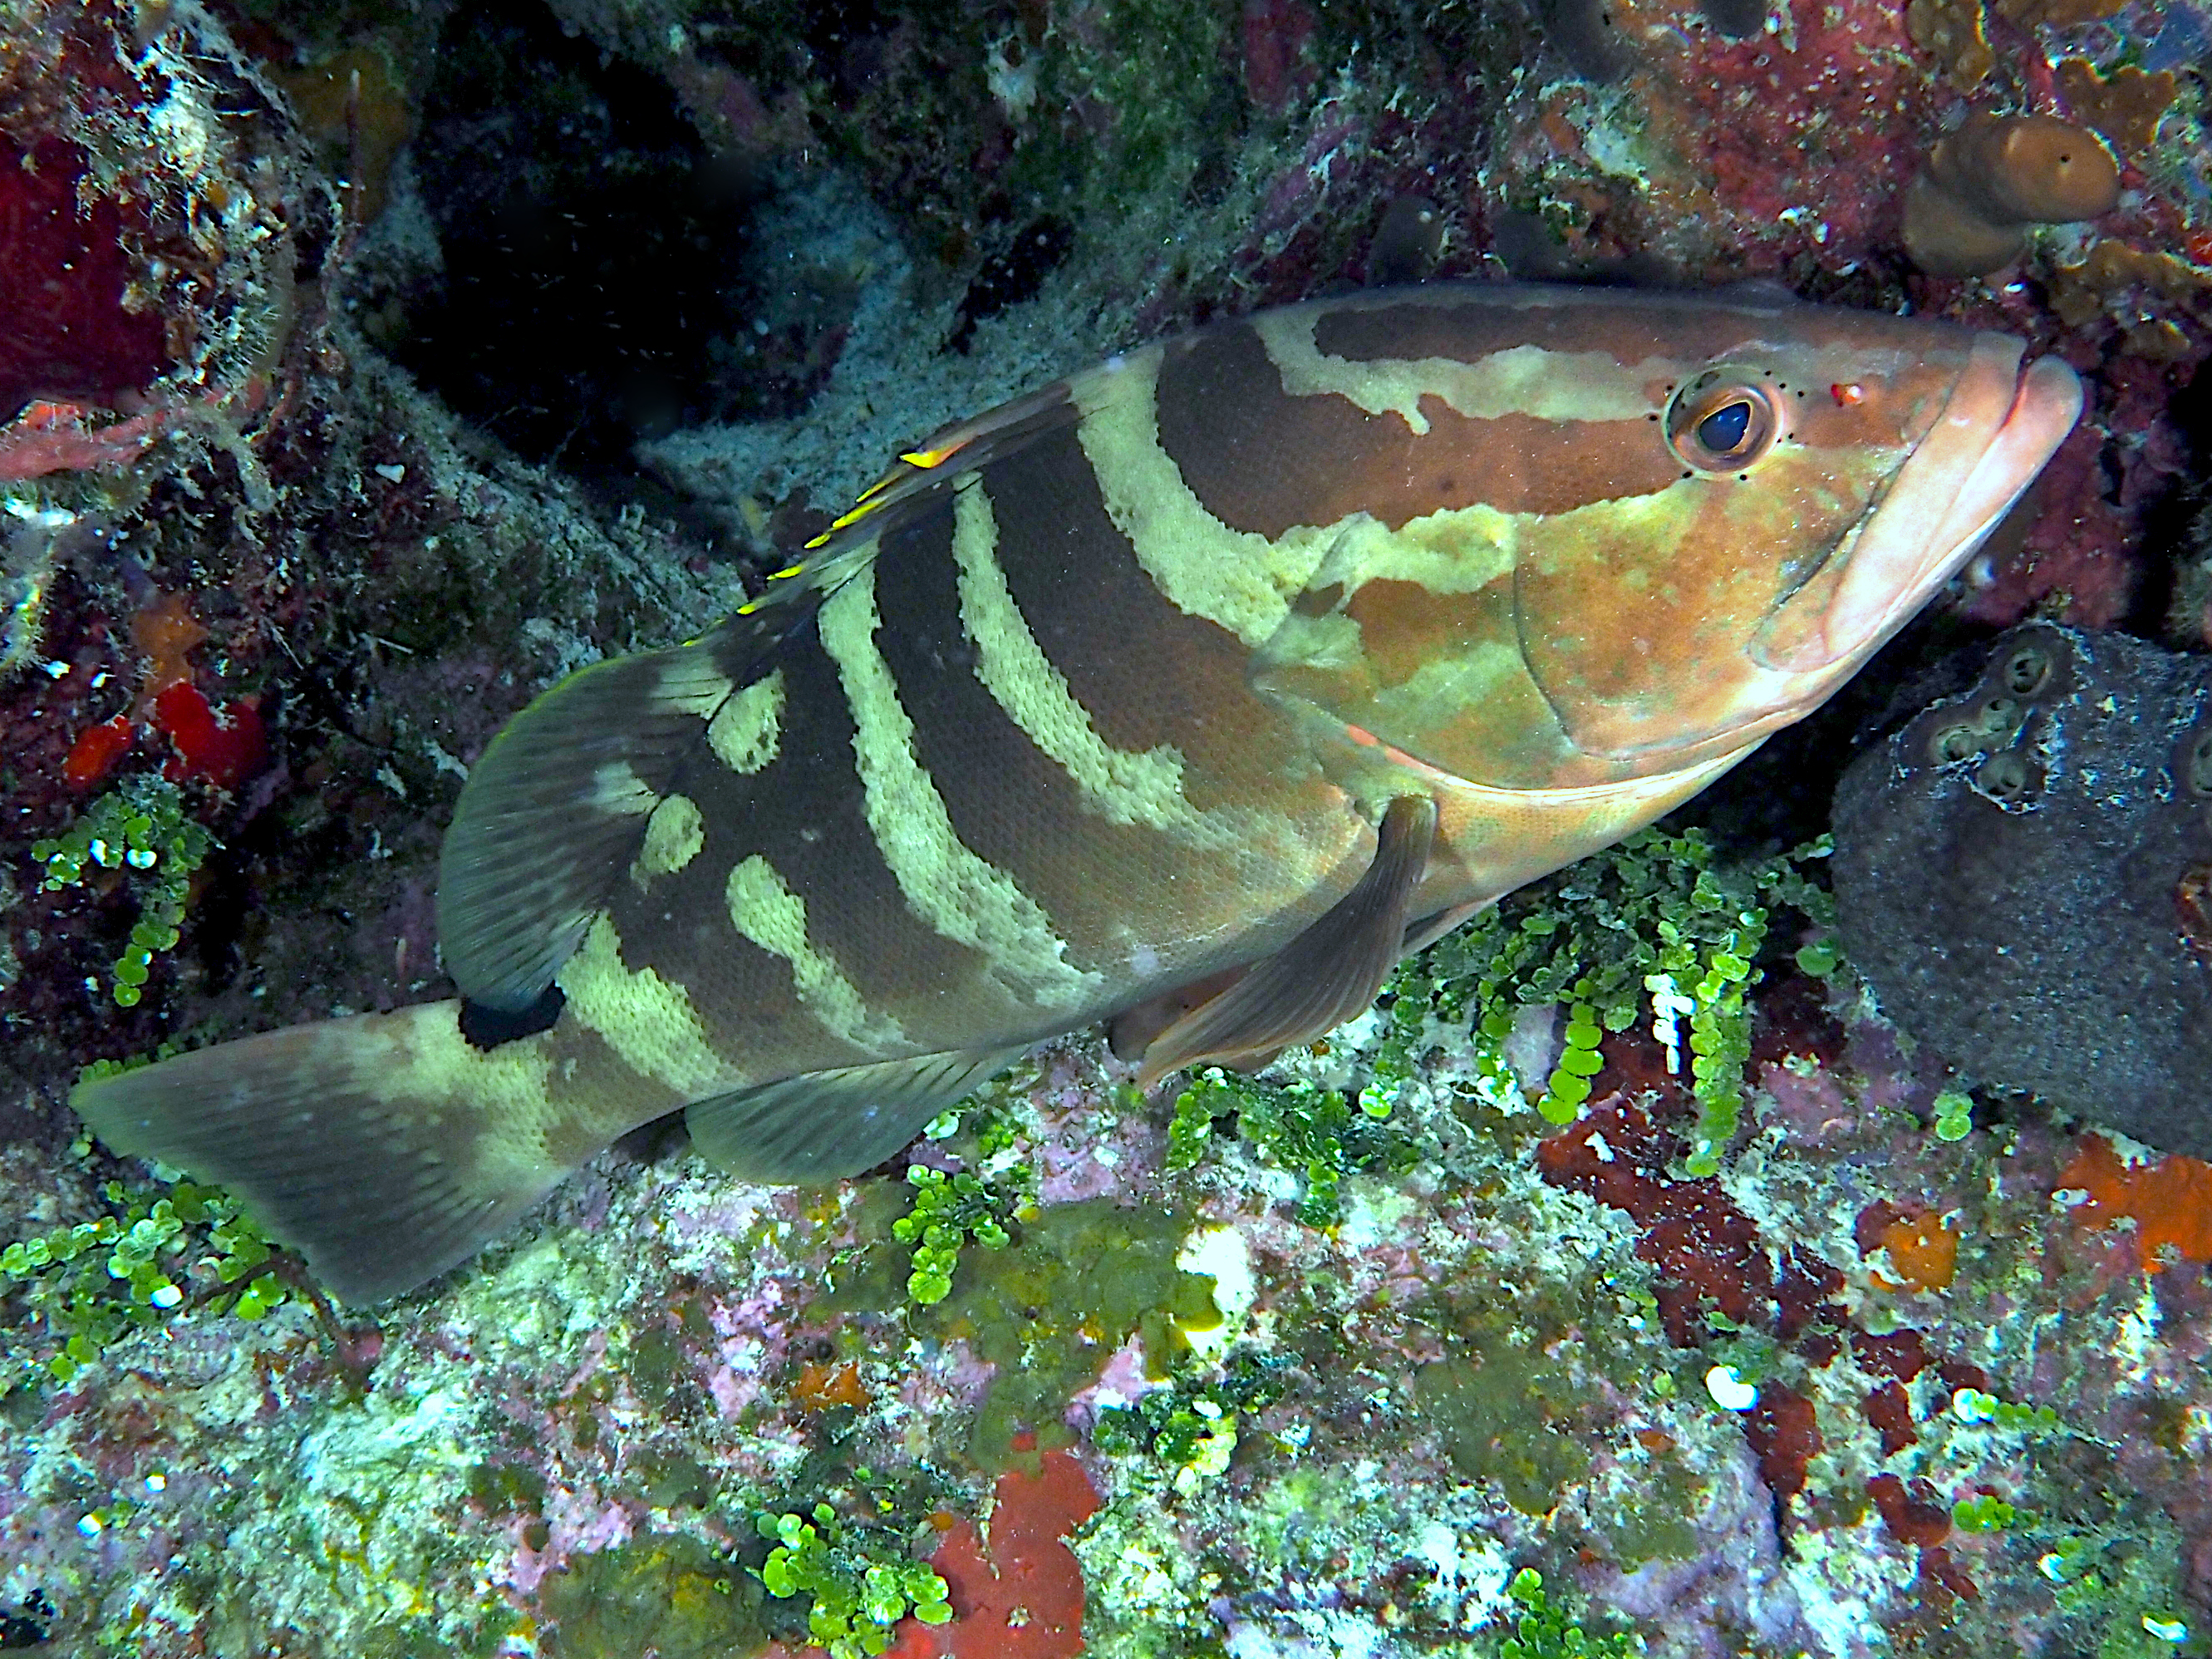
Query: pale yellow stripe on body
[
  {"x": 648, "y": 1021},
  {"x": 747, "y": 729},
  {"x": 766, "y": 911},
  {"x": 1119, "y": 786},
  {"x": 1523, "y": 379},
  {"x": 1235, "y": 579},
  {"x": 961, "y": 895},
  {"x": 673, "y": 836}
]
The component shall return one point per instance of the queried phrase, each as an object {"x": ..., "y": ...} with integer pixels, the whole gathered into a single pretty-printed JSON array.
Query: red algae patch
[
  {"x": 1022, "y": 1598},
  {"x": 2169, "y": 1202}
]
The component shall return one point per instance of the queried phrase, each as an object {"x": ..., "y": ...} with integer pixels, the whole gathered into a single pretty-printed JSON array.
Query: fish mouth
[{"x": 2002, "y": 424}]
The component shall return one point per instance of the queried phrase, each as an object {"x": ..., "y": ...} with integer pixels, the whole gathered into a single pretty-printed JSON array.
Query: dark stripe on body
[{"x": 1263, "y": 460}]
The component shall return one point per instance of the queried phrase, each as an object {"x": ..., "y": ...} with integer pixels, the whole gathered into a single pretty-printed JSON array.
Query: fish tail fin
[{"x": 385, "y": 1147}]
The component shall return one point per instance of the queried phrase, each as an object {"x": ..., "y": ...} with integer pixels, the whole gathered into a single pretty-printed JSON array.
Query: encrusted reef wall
[{"x": 363, "y": 369}]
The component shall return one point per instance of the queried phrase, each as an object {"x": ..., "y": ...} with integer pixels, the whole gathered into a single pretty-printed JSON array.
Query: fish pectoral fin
[
  {"x": 557, "y": 809},
  {"x": 823, "y": 1126},
  {"x": 313, "y": 1129},
  {"x": 1325, "y": 976}
]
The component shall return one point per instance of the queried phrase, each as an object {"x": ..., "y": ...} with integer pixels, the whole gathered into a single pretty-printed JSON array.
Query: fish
[{"x": 1190, "y": 692}]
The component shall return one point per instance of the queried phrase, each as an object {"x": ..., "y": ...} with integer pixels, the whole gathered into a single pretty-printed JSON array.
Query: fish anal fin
[
  {"x": 326, "y": 1135},
  {"x": 823, "y": 1126},
  {"x": 1324, "y": 976}
]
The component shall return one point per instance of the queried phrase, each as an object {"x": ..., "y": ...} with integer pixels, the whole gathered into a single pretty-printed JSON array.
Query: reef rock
[{"x": 2024, "y": 873}]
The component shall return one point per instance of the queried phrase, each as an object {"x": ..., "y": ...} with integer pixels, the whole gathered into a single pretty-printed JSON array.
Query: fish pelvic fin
[
  {"x": 1324, "y": 976},
  {"x": 385, "y": 1147}
]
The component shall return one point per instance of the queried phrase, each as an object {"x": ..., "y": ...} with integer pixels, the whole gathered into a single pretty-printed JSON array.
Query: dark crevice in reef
[{"x": 592, "y": 247}]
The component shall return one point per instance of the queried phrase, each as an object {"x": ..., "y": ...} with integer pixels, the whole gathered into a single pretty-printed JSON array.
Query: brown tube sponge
[{"x": 1967, "y": 213}]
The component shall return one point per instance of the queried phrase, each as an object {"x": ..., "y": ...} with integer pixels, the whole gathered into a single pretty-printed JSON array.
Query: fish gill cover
[{"x": 398, "y": 365}]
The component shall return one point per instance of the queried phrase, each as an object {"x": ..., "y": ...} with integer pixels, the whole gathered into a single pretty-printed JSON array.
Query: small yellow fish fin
[
  {"x": 924, "y": 475},
  {"x": 823, "y": 1126},
  {"x": 306, "y": 1126},
  {"x": 554, "y": 811},
  {"x": 1324, "y": 976}
]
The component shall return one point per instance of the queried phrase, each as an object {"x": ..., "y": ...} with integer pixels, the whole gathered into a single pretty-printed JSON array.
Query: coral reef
[
  {"x": 1548, "y": 1310},
  {"x": 2020, "y": 872}
]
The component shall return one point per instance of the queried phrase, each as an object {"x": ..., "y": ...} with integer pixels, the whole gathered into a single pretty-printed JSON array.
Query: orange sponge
[
  {"x": 1967, "y": 213},
  {"x": 2169, "y": 1202}
]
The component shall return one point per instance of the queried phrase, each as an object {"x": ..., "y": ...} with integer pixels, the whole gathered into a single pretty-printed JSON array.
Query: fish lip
[{"x": 2001, "y": 423}]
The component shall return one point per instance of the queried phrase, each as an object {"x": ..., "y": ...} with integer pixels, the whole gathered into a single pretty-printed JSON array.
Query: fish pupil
[{"x": 1722, "y": 431}]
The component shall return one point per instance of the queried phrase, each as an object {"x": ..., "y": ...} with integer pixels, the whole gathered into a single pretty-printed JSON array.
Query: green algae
[
  {"x": 1505, "y": 1417},
  {"x": 667, "y": 1592},
  {"x": 1048, "y": 1308},
  {"x": 859, "y": 1588},
  {"x": 160, "y": 1252},
  {"x": 1315, "y": 1132},
  {"x": 949, "y": 1211},
  {"x": 1541, "y": 1631},
  {"x": 1653, "y": 1522},
  {"x": 1653, "y": 924},
  {"x": 1188, "y": 1433},
  {"x": 141, "y": 828}
]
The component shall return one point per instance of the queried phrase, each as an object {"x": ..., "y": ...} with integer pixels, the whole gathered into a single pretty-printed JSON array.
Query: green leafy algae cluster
[
  {"x": 858, "y": 1593},
  {"x": 1313, "y": 1130},
  {"x": 157, "y": 1251},
  {"x": 1653, "y": 924},
  {"x": 948, "y": 1210},
  {"x": 1542, "y": 1631},
  {"x": 142, "y": 829}
]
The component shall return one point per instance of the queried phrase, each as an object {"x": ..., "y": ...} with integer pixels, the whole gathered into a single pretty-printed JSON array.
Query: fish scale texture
[{"x": 2032, "y": 908}]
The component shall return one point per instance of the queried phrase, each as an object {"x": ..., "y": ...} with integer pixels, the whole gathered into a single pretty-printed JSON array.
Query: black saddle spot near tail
[{"x": 487, "y": 1027}]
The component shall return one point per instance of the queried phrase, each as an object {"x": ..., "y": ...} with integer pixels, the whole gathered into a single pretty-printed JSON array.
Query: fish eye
[
  {"x": 1723, "y": 430},
  {"x": 1723, "y": 421}
]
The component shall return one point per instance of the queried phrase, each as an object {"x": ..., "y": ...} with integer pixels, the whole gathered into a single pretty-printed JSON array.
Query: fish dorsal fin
[
  {"x": 1325, "y": 976},
  {"x": 922, "y": 475},
  {"x": 557, "y": 809},
  {"x": 823, "y": 1126}
]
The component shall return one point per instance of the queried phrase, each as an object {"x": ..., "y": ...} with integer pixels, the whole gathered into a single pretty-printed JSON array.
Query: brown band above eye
[{"x": 1722, "y": 422}]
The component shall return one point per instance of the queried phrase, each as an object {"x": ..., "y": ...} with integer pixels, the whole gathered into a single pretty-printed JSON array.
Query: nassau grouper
[{"x": 1196, "y": 689}]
